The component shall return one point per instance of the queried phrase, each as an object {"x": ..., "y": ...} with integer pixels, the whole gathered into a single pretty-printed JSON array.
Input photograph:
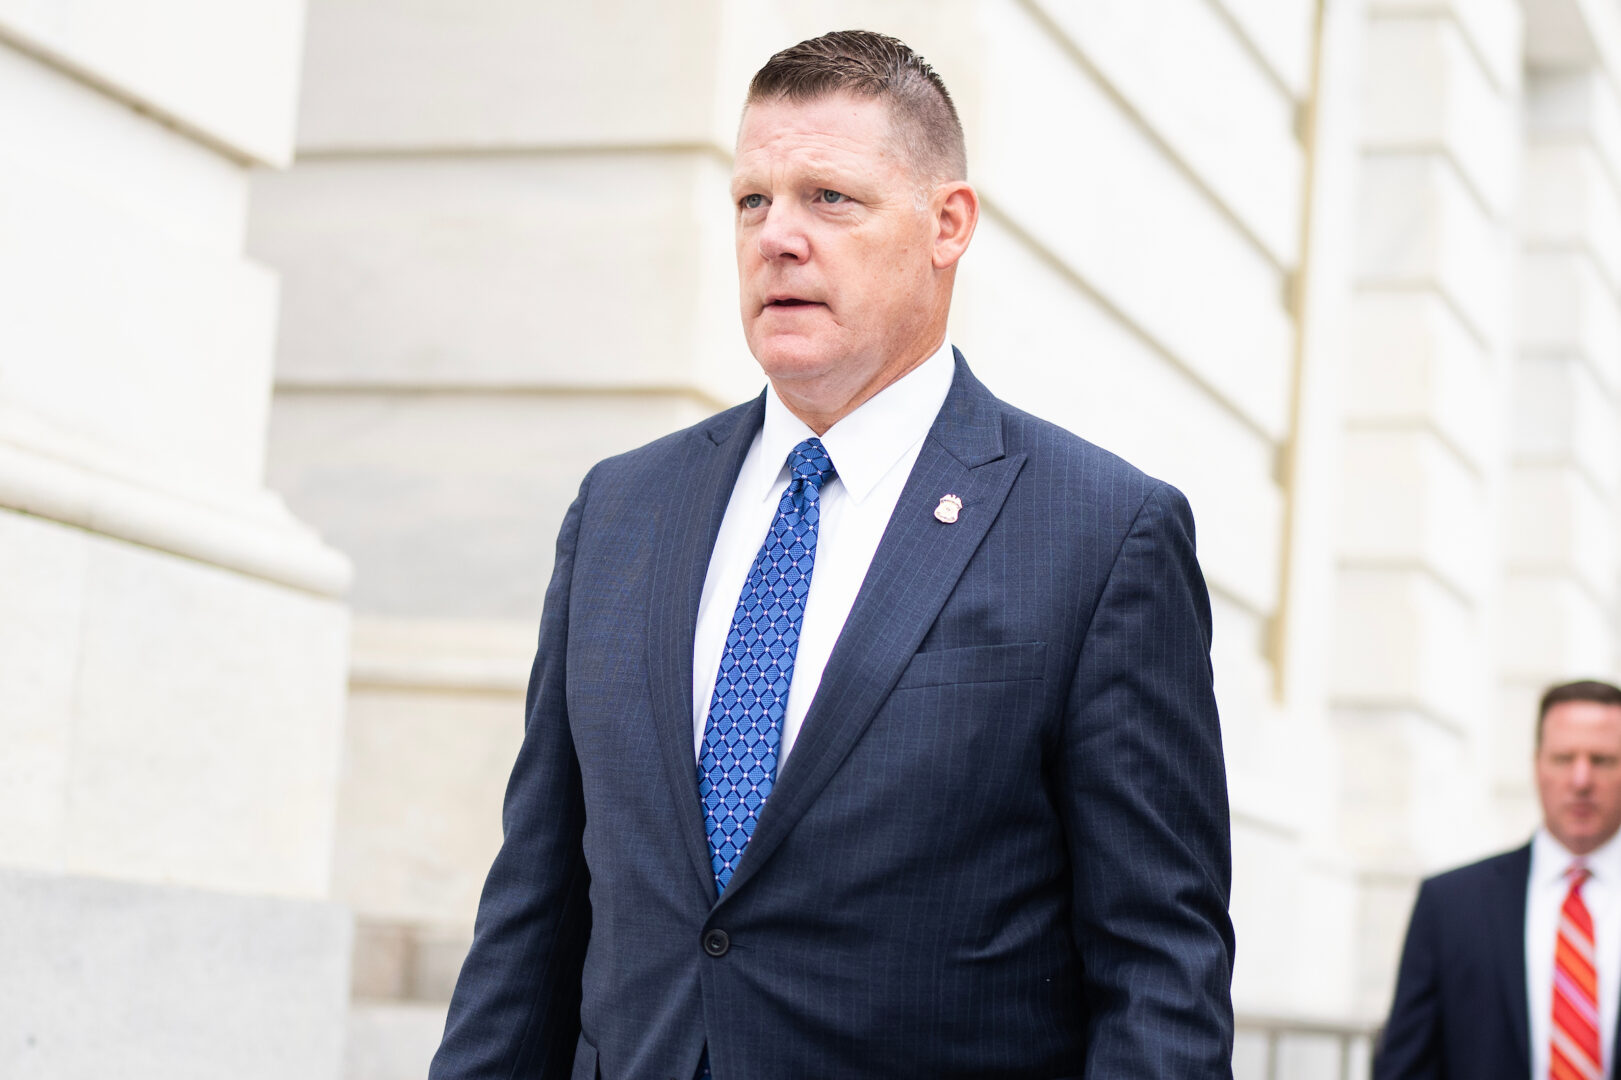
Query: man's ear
[{"x": 956, "y": 213}]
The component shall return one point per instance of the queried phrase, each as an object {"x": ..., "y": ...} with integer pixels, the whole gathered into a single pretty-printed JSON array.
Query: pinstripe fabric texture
[
  {"x": 1575, "y": 1053},
  {"x": 999, "y": 847}
]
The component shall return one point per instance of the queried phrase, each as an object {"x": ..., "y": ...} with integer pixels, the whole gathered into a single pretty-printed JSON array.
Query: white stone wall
[
  {"x": 1424, "y": 426},
  {"x": 173, "y": 646}
]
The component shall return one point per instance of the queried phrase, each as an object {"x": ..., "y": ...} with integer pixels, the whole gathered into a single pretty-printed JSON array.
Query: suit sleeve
[
  {"x": 1146, "y": 814},
  {"x": 1410, "y": 1045},
  {"x": 516, "y": 1009}
]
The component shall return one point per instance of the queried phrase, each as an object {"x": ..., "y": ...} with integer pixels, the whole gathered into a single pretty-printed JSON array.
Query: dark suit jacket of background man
[
  {"x": 1460, "y": 1011},
  {"x": 999, "y": 847}
]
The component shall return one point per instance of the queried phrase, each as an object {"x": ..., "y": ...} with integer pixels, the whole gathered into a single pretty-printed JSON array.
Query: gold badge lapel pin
[{"x": 948, "y": 508}]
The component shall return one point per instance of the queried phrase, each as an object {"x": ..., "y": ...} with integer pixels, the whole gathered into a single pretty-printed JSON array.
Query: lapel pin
[{"x": 947, "y": 510}]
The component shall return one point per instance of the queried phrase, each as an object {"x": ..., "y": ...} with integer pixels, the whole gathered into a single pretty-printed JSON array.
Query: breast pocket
[{"x": 1016, "y": 662}]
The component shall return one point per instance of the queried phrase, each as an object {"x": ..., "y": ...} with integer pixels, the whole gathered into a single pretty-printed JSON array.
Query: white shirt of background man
[{"x": 1545, "y": 896}]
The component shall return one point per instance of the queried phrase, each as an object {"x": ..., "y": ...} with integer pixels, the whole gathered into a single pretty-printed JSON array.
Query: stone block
[
  {"x": 1420, "y": 228},
  {"x": 1265, "y": 912},
  {"x": 380, "y": 967},
  {"x": 461, "y": 655},
  {"x": 1410, "y": 500},
  {"x": 1494, "y": 29},
  {"x": 1575, "y": 106},
  {"x": 170, "y": 378},
  {"x": 1281, "y": 32},
  {"x": 1250, "y": 1055},
  {"x": 1050, "y": 347},
  {"x": 1414, "y": 363},
  {"x": 1572, "y": 34},
  {"x": 506, "y": 272},
  {"x": 1385, "y": 906},
  {"x": 207, "y": 724},
  {"x": 1412, "y": 790},
  {"x": 419, "y": 820},
  {"x": 1569, "y": 202},
  {"x": 398, "y": 961},
  {"x": 392, "y": 1041},
  {"x": 169, "y": 720},
  {"x": 1255, "y": 737},
  {"x": 1327, "y": 919},
  {"x": 1551, "y": 623},
  {"x": 1563, "y": 417},
  {"x": 106, "y": 978},
  {"x": 1514, "y": 733},
  {"x": 1565, "y": 306},
  {"x": 1130, "y": 225},
  {"x": 1516, "y": 814},
  {"x": 128, "y": 162},
  {"x": 44, "y": 589},
  {"x": 440, "y": 952},
  {"x": 509, "y": 74},
  {"x": 1556, "y": 522},
  {"x": 1424, "y": 90},
  {"x": 450, "y": 503},
  {"x": 227, "y": 71},
  {"x": 1309, "y": 1056},
  {"x": 1405, "y": 640},
  {"x": 1192, "y": 77}
]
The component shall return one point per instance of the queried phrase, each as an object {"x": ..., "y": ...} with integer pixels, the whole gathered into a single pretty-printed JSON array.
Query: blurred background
[{"x": 313, "y": 315}]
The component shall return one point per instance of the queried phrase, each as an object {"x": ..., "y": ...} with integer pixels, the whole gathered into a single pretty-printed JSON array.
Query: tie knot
[
  {"x": 1578, "y": 875},
  {"x": 809, "y": 462}
]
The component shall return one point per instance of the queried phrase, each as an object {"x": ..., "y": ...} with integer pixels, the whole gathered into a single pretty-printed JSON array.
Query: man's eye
[
  {"x": 829, "y": 196},
  {"x": 751, "y": 202}
]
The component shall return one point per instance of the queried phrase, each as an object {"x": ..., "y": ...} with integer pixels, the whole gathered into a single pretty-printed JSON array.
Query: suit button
[{"x": 716, "y": 942}]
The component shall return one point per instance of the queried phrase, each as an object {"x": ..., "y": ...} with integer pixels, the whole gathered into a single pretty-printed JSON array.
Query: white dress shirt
[
  {"x": 1545, "y": 895},
  {"x": 873, "y": 450}
]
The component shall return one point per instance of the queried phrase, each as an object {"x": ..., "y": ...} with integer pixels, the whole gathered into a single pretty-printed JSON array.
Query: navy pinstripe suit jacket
[{"x": 1000, "y": 846}]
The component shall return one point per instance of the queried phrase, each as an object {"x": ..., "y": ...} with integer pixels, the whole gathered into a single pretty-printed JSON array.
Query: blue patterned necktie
[{"x": 738, "y": 764}]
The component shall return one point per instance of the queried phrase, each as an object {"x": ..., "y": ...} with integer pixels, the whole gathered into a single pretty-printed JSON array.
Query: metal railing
[{"x": 1295, "y": 1048}]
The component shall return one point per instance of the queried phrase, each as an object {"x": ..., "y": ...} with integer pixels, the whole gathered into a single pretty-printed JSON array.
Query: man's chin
[{"x": 793, "y": 359}]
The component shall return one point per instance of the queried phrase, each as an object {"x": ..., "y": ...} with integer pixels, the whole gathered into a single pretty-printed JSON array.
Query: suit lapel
[
  {"x": 913, "y": 572},
  {"x": 1508, "y": 928},
  {"x": 691, "y": 517}
]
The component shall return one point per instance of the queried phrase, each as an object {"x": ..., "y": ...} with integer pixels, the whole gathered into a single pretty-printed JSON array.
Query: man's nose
[
  {"x": 1581, "y": 774},
  {"x": 782, "y": 236}
]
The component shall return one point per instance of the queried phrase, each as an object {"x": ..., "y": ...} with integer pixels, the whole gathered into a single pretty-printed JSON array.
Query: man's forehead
[
  {"x": 1579, "y": 722},
  {"x": 858, "y": 122}
]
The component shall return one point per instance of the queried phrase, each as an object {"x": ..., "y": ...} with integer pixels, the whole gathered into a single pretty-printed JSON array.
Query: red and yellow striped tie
[{"x": 1575, "y": 1048}]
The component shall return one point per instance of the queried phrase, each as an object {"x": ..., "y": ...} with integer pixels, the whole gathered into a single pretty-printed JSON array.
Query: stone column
[
  {"x": 172, "y": 642},
  {"x": 1414, "y": 673},
  {"x": 1564, "y": 479}
]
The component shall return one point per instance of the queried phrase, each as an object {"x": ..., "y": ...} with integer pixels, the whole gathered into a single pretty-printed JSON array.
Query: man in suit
[
  {"x": 1512, "y": 965},
  {"x": 927, "y": 784}
]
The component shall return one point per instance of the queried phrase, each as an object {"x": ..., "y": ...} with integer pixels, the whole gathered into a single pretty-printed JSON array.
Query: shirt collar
[
  {"x": 864, "y": 445},
  {"x": 1550, "y": 859}
]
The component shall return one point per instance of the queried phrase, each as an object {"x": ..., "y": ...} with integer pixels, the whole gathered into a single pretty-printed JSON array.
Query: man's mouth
[{"x": 788, "y": 301}]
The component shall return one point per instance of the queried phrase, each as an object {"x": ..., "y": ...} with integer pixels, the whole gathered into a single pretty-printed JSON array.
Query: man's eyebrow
[{"x": 834, "y": 178}]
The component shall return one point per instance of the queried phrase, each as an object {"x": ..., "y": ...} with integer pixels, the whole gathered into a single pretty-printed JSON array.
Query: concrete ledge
[
  {"x": 262, "y": 541},
  {"x": 392, "y": 1041},
  {"x": 226, "y": 74},
  {"x": 104, "y": 978}
]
